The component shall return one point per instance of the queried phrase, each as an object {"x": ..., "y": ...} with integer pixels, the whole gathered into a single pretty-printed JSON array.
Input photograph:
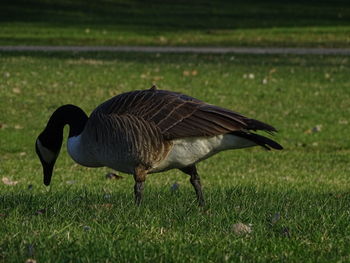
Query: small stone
[{"x": 241, "y": 229}]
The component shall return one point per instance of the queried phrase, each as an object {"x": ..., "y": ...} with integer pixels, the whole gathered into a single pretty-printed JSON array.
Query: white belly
[{"x": 189, "y": 151}]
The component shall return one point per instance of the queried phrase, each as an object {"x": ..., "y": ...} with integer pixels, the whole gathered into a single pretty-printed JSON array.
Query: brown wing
[{"x": 178, "y": 115}]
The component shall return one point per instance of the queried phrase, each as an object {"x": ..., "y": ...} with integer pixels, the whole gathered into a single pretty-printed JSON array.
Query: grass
[
  {"x": 297, "y": 200},
  {"x": 201, "y": 23}
]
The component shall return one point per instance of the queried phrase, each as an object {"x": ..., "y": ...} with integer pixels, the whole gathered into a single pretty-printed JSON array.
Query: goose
[{"x": 148, "y": 131}]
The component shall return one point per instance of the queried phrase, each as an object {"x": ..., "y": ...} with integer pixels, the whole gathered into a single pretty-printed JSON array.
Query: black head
[
  {"x": 48, "y": 147},
  {"x": 49, "y": 142}
]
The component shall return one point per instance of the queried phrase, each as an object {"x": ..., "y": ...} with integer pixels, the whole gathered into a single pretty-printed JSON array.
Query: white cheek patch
[{"x": 46, "y": 154}]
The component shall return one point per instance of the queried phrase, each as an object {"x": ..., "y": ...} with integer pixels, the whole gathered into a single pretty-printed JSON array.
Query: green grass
[
  {"x": 201, "y": 23},
  {"x": 90, "y": 219}
]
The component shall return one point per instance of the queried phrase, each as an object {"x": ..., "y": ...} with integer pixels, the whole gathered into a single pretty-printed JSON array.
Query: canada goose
[{"x": 148, "y": 131}]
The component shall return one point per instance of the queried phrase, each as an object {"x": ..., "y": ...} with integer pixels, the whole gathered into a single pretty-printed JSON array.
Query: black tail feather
[
  {"x": 259, "y": 140},
  {"x": 258, "y": 125}
]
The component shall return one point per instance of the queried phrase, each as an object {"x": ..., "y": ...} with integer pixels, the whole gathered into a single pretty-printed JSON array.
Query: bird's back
[{"x": 178, "y": 115}]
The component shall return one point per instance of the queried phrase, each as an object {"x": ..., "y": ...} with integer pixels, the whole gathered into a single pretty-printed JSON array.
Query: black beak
[{"x": 47, "y": 169}]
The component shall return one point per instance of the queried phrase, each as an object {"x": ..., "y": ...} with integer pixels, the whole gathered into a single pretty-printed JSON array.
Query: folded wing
[{"x": 178, "y": 116}]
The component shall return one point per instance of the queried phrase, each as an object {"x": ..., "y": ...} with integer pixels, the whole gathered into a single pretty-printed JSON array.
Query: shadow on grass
[
  {"x": 241, "y": 200},
  {"x": 158, "y": 16}
]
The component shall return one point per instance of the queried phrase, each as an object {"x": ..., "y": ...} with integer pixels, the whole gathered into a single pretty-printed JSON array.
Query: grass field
[
  {"x": 296, "y": 200},
  {"x": 199, "y": 23}
]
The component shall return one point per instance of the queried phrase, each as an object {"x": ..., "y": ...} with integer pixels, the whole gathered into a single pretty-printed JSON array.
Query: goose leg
[
  {"x": 195, "y": 181},
  {"x": 139, "y": 177}
]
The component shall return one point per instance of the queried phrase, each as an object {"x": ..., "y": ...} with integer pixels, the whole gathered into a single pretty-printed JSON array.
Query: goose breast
[{"x": 124, "y": 142}]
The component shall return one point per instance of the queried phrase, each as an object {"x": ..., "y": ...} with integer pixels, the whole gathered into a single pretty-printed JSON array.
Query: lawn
[
  {"x": 296, "y": 201},
  {"x": 160, "y": 23}
]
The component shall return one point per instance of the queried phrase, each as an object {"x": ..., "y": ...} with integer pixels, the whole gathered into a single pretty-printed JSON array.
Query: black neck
[
  {"x": 68, "y": 114},
  {"x": 75, "y": 117}
]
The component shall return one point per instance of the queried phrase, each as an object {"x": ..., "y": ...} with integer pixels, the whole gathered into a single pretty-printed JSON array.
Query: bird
[{"x": 149, "y": 131}]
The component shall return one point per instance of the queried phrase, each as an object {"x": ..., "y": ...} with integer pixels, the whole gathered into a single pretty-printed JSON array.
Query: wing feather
[{"x": 177, "y": 115}]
